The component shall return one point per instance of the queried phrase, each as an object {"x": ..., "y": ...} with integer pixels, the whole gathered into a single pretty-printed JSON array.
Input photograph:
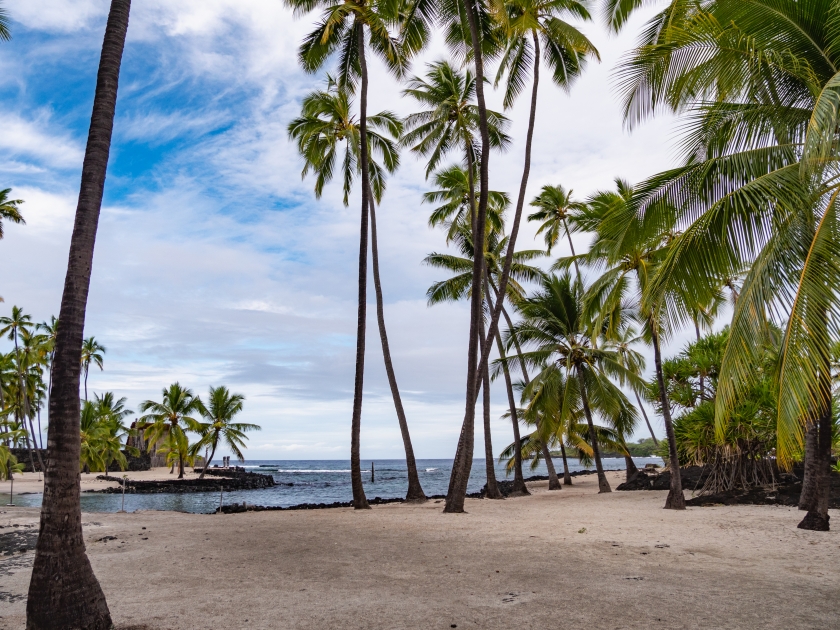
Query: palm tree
[
  {"x": 554, "y": 321},
  {"x": 92, "y": 352},
  {"x": 63, "y": 591},
  {"x": 633, "y": 360},
  {"x": 453, "y": 192},
  {"x": 757, "y": 189},
  {"x": 9, "y": 208},
  {"x": 325, "y": 123},
  {"x": 15, "y": 327},
  {"x": 5, "y": 35},
  {"x": 342, "y": 29},
  {"x": 163, "y": 421},
  {"x": 219, "y": 412},
  {"x": 559, "y": 214},
  {"x": 451, "y": 122}
]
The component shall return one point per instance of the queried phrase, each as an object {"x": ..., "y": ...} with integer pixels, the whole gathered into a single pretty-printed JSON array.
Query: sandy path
[{"x": 519, "y": 563}]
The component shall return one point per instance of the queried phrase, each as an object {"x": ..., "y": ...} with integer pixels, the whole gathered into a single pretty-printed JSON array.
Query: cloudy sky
[{"x": 214, "y": 263}]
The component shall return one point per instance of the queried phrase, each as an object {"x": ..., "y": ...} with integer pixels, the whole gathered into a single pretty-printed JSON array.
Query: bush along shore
[{"x": 227, "y": 479}]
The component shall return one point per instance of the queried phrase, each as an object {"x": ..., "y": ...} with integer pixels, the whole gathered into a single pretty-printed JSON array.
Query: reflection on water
[{"x": 310, "y": 481}]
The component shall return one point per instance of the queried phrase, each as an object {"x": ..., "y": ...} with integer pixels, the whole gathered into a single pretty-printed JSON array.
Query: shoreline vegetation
[{"x": 738, "y": 242}]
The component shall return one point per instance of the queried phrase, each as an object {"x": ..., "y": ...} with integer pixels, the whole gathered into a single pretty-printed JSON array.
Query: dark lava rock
[
  {"x": 692, "y": 477},
  {"x": 233, "y": 480},
  {"x": 18, "y": 540},
  {"x": 785, "y": 493}
]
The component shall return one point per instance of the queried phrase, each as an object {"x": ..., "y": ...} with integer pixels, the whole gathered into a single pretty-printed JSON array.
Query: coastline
[{"x": 612, "y": 560}]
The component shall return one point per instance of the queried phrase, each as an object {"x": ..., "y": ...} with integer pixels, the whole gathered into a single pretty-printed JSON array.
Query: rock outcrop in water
[{"x": 230, "y": 480}]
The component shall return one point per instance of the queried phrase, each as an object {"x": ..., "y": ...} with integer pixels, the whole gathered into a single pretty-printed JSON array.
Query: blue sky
[{"x": 214, "y": 263}]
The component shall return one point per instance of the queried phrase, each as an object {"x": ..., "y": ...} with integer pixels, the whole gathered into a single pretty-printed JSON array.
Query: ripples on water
[{"x": 312, "y": 481}]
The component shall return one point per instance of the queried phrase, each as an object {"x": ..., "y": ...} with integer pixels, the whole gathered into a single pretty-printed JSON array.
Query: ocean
[{"x": 312, "y": 481}]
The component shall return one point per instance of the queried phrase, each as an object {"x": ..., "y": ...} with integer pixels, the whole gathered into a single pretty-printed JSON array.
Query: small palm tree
[
  {"x": 92, "y": 352},
  {"x": 165, "y": 422},
  {"x": 219, "y": 412},
  {"x": 559, "y": 214}
]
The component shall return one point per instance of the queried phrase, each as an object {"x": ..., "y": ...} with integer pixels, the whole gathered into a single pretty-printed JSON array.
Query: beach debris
[{"x": 582, "y": 530}]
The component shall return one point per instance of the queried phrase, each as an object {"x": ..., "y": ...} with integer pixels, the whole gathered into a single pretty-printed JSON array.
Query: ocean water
[{"x": 311, "y": 481}]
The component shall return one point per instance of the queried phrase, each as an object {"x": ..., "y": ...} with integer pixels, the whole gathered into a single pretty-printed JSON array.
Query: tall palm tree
[
  {"x": 63, "y": 591},
  {"x": 15, "y": 327},
  {"x": 325, "y": 123},
  {"x": 92, "y": 352},
  {"x": 165, "y": 421},
  {"x": 554, "y": 322},
  {"x": 342, "y": 30},
  {"x": 9, "y": 208},
  {"x": 757, "y": 189},
  {"x": 219, "y": 412},
  {"x": 525, "y": 26}
]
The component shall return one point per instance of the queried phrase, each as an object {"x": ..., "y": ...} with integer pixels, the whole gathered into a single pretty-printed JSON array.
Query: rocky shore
[{"x": 228, "y": 479}]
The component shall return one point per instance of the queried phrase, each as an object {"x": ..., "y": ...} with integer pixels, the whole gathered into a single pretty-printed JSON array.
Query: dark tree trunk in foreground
[
  {"x": 676, "y": 498},
  {"x": 553, "y": 480},
  {"x": 567, "y": 478},
  {"x": 817, "y": 517},
  {"x": 808, "y": 496},
  {"x": 603, "y": 484},
  {"x": 492, "y": 491},
  {"x": 359, "y": 499},
  {"x": 180, "y": 465},
  {"x": 519, "y": 488},
  {"x": 462, "y": 464},
  {"x": 415, "y": 491},
  {"x": 63, "y": 592}
]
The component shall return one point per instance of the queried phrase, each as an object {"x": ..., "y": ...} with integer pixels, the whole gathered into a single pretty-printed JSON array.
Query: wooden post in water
[{"x": 372, "y": 474}]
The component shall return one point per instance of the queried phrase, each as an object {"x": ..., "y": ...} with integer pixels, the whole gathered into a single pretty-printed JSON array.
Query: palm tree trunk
[
  {"x": 817, "y": 517},
  {"x": 807, "y": 498},
  {"x": 359, "y": 499},
  {"x": 572, "y": 248},
  {"x": 553, "y": 480},
  {"x": 519, "y": 487},
  {"x": 180, "y": 465},
  {"x": 520, "y": 202},
  {"x": 630, "y": 465},
  {"x": 567, "y": 477},
  {"x": 209, "y": 459},
  {"x": 462, "y": 464},
  {"x": 645, "y": 416},
  {"x": 603, "y": 484},
  {"x": 64, "y": 592},
  {"x": 40, "y": 434},
  {"x": 86, "y": 374},
  {"x": 492, "y": 491},
  {"x": 415, "y": 490},
  {"x": 702, "y": 376},
  {"x": 676, "y": 498}
]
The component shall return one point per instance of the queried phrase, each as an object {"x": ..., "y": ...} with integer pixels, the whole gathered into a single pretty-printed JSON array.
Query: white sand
[{"x": 518, "y": 563}]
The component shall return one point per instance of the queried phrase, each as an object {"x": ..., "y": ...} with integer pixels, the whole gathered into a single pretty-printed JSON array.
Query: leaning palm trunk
[
  {"x": 676, "y": 498},
  {"x": 520, "y": 203},
  {"x": 807, "y": 498},
  {"x": 209, "y": 458},
  {"x": 359, "y": 499},
  {"x": 519, "y": 487},
  {"x": 817, "y": 501},
  {"x": 63, "y": 592},
  {"x": 415, "y": 490},
  {"x": 493, "y": 491},
  {"x": 645, "y": 416},
  {"x": 457, "y": 492},
  {"x": 603, "y": 484},
  {"x": 518, "y": 478}
]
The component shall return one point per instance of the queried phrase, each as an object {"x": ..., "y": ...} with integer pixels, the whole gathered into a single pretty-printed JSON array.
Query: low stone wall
[{"x": 22, "y": 455}]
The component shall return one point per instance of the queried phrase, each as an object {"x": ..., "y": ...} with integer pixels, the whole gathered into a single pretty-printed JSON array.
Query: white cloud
[{"x": 39, "y": 141}]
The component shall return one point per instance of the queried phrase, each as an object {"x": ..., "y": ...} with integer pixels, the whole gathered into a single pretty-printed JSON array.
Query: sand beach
[{"x": 572, "y": 558}]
